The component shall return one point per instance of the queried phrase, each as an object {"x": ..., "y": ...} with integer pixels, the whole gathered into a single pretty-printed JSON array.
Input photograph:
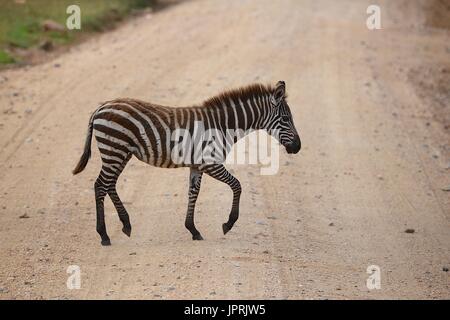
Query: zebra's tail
[{"x": 87, "y": 149}]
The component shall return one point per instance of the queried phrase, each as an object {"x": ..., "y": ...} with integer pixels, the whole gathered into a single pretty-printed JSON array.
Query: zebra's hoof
[
  {"x": 225, "y": 228},
  {"x": 106, "y": 242},
  {"x": 127, "y": 231},
  {"x": 197, "y": 237}
]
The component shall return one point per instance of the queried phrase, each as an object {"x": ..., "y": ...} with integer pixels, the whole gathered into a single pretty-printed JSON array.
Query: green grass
[
  {"x": 23, "y": 33},
  {"x": 20, "y": 23},
  {"x": 5, "y": 58}
]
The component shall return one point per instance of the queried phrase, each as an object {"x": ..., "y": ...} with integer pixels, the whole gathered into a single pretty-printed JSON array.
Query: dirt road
[{"x": 375, "y": 158}]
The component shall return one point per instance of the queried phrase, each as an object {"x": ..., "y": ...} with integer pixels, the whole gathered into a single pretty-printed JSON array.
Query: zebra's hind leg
[
  {"x": 121, "y": 211},
  {"x": 219, "y": 172},
  {"x": 116, "y": 169},
  {"x": 195, "y": 180},
  {"x": 112, "y": 192},
  {"x": 106, "y": 184},
  {"x": 100, "y": 193}
]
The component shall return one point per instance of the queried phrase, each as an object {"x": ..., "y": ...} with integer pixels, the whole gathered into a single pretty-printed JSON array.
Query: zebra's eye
[{"x": 285, "y": 118}]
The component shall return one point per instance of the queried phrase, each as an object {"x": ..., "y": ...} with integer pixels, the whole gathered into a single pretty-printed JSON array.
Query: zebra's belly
[{"x": 164, "y": 154}]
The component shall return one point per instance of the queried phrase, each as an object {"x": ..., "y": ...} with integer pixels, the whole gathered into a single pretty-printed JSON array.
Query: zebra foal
[{"x": 127, "y": 127}]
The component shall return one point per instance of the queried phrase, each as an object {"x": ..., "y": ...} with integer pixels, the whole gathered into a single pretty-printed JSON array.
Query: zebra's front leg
[
  {"x": 219, "y": 172},
  {"x": 195, "y": 180}
]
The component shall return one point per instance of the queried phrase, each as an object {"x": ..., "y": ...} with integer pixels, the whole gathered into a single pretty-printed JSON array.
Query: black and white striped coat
[{"x": 127, "y": 127}]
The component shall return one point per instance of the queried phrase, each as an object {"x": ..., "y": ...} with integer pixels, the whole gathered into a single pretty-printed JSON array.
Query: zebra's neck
[{"x": 245, "y": 113}]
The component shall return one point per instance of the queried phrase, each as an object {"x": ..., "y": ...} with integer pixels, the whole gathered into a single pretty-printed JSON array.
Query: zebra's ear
[{"x": 279, "y": 93}]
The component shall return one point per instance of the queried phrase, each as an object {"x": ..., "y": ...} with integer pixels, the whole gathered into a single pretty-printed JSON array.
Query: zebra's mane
[{"x": 242, "y": 93}]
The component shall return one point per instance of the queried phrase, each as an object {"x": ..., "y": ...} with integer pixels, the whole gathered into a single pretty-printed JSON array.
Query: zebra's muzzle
[{"x": 294, "y": 146}]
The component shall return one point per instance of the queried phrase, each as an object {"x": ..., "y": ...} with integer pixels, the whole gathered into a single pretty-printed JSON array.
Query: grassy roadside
[{"x": 21, "y": 23}]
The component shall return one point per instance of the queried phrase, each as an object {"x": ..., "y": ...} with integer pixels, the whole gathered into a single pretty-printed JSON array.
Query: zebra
[{"x": 125, "y": 127}]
